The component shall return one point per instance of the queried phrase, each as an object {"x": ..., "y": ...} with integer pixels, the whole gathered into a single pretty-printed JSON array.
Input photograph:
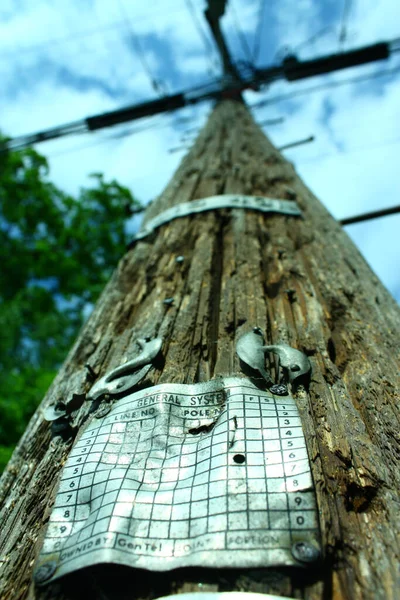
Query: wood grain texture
[{"x": 303, "y": 282}]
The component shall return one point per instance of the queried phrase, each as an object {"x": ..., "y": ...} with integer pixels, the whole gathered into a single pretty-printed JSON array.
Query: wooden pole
[{"x": 301, "y": 281}]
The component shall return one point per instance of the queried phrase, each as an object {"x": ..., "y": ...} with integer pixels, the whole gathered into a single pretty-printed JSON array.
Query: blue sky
[{"x": 62, "y": 61}]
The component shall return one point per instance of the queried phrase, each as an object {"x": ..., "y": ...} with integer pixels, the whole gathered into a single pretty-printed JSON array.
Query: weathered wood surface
[{"x": 303, "y": 282}]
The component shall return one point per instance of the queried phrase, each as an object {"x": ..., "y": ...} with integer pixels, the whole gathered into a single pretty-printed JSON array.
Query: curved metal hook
[{"x": 112, "y": 384}]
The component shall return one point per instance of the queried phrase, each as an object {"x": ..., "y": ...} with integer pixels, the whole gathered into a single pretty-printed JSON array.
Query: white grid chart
[{"x": 181, "y": 475}]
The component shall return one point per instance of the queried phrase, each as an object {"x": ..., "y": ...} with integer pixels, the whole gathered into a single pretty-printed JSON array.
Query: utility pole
[{"x": 200, "y": 282}]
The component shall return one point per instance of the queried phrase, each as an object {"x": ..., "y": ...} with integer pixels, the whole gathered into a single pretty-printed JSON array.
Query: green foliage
[{"x": 56, "y": 254}]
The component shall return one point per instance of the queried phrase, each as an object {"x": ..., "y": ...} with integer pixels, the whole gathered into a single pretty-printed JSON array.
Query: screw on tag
[
  {"x": 103, "y": 410},
  {"x": 305, "y": 552},
  {"x": 45, "y": 571},
  {"x": 279, "y": 389},
  {"x": 132, "y": 371},
  {"x": 155, "y": 428}
]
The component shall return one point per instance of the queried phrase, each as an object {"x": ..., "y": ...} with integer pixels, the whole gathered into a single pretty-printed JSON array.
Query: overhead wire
[
  {"x": 312, "y": 39},
  {"x": 267, "y": 122},
  {"x": 119, "y": 135},
  {"x": 257, "y": 38},
  {"x": 343, "y": 28},
  {"x": 158, "y": 86},
  {"x": 50, "y": 43},
  {"x": 375, "y": 214},
  {"x": 209, "y": 48},
  {"x": 324, "y": 86},
  {"x": 290, "y": 71},
  {"x": 363, "y": 148},
  {"x": 209, "y": 90},
  {"x": 135, "y": 129},
  {"x": 301, "y": 142},
  {"x": 395, "y": 45},
  {"x": 257, "y": 105},
  {"x": 289, "y": 50},
  {"x": 242, "y": 38}
]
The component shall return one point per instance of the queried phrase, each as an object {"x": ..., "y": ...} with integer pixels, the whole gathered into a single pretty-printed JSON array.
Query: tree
[
  {"x": 302, "y": 281},
  {"x": 56, "y": 253}
]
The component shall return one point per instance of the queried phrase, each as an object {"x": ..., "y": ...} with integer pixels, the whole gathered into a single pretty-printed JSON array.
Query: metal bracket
[
  {"x": 124, "y": 378},
  {"x": 294, "y": 362},
  {"x": 251, "y": 351},
  {"x": 60, "y": 415},
  {"x": 117, "y": 382},
  {"x": 259, "y": 203}
]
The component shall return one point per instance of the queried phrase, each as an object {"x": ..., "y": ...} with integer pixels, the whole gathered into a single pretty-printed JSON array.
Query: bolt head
[
  {"x": 305, "y": 552},
  {"x": 103, "y": 410},
  {"x": 45, "y": 571},
  {"x": 279, "y": 389}
]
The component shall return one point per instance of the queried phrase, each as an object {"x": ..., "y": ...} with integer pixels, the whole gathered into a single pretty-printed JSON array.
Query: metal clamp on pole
[{"x": 260, "y": 203}]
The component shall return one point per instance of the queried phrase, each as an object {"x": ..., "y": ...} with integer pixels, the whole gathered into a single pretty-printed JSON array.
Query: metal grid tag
[
  {"x": 214, "y": 474},
  {"x": 260, "y": 203}
]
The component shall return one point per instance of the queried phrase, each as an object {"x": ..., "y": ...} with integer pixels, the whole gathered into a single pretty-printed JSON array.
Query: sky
[{"x": 64, "y": 60}]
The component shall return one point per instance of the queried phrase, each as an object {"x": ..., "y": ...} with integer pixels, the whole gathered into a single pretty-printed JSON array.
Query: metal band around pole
[{"x": 260, "y": 203}]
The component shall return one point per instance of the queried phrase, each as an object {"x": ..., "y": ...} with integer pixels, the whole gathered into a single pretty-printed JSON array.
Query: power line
[
  {"x": 116, "y": 136},
  {"x": 130, "y": 131},
  {"x": 364, "y": 148},
  {"x": 294, "y": 69},
  {"x": 178, "y": 149},
  {"x": 257, "y": 38},
  {"x": 395, "y": 45},
  {"x": 376, "y": 214},
  {"x": 230, "y": 88},
  {"x": 268, "y": 122},
  {"x": 242, "y": 38},
  {"x": 213, "y": 13},
  {"x": 158, "y": 86},
  {"x": 280, "y": 148},
  {"x": 324, "y": 86},
  {"x": 312, "y": 39},
  {"x": 343, "y": 29},
  {"x": 308, "y": 140},
  {"x": 210, "y": 51},
  {"x": 52, "y": 42}
]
